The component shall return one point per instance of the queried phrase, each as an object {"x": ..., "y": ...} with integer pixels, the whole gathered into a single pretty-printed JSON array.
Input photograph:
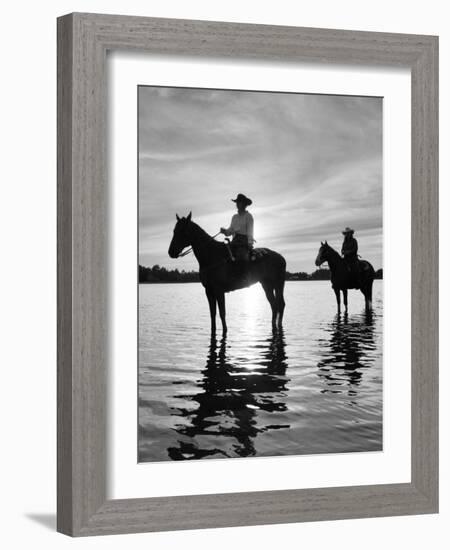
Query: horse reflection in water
[
  {"x": 347, "y": 352},
  {"x": 224, "y": 422}
]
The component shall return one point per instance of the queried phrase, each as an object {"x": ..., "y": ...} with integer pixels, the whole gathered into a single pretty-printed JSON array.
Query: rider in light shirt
[{"x": 241, "y": 228}]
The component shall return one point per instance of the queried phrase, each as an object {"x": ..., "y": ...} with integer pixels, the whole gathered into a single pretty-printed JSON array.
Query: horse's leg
[
  {"x": 368, "y": 296},
  {"x": 280, "y": 303},
  {"x": 221, "y": 304},
  {"x": 338, "y": 298},
  {"x": 212, "y": 308},
  {"x": 268, "y": 289},
  {"x": 345, "y": 295}
]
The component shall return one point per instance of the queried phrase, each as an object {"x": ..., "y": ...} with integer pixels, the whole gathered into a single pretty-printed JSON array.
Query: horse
[
  {"x": 217, "y": 270},
  {"x": 342, "y": 279}
]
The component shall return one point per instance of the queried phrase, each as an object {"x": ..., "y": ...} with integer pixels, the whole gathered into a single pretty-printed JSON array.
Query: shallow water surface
[{"x": 314, "y": 387}]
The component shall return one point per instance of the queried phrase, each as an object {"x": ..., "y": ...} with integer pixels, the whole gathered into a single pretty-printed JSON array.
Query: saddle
[
  {"x": 254, "y": 253},
  {"x": 258, "y": 253}
]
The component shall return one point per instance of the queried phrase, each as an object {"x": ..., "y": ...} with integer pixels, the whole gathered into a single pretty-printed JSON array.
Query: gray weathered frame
[{"x": 83, "y": 40}]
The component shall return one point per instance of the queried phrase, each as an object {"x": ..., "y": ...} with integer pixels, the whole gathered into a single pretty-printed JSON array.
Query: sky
[{"x": 312, "y": 164}]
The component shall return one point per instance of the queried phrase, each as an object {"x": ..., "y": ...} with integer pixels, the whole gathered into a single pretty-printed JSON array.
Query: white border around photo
[{"x": 127, "y": 478}]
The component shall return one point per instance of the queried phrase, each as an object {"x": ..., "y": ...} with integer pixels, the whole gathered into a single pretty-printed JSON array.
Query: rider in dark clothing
[{"x": 350, "y": 251}]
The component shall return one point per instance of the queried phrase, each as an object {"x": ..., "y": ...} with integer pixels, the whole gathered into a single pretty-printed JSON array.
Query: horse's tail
[
  {"x": 277, "y": 280},
  {"x": 279, "y": 299},
  {"x": 283, "y": 267}
]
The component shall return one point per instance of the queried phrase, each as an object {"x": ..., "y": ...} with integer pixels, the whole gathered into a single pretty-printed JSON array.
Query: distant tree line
[
  {"x": 320, "y": 275},
  {"x": 317, "y": 275},
  {"x": 158, "y": 274}
]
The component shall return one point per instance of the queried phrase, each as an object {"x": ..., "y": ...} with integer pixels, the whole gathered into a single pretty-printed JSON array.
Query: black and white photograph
[
  {"x": 221, "y": 297},
  {"x": 260, "y": 267}
]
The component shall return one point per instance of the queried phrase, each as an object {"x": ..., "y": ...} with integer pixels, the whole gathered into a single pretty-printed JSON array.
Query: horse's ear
[
  {"x": 189, "y": 216},
  {"x": 178, "y": 217},
  {"x": 321, "y": 243},
  {"x": 325, "y": 242}
]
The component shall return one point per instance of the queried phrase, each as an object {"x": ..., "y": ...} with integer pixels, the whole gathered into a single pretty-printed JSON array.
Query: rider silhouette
[
  {"x": 241, "y": 228},
  {"x": 350, "y": 252}
]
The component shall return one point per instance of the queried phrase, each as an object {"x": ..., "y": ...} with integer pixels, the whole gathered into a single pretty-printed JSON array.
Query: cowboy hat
[
  {"x": 242, "y": 198},
  {"x": 348, "y": 230}
]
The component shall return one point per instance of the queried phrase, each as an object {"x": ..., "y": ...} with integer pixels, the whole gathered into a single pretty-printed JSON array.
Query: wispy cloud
[{"x": 311, "y": 163}]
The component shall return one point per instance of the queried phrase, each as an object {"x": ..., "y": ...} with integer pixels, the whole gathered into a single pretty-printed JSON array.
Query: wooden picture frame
[{"x": 83, "y": 41}]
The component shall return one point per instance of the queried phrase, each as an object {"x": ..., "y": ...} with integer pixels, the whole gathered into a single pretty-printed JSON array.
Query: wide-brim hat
[
  {"x": 348, "y": 230},
  {"x": 242, "y": 198}
]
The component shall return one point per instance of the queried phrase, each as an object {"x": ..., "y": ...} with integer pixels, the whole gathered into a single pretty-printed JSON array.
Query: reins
[{"x": 189, "y": 250}]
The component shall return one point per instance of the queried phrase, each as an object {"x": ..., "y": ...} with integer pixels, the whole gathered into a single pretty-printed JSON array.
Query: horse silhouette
[
  {"x": 342, "y": 279},
  {"x": 218, "y": 271}
]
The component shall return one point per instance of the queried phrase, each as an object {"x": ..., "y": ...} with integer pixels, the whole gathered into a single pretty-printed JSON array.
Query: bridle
[{"x": 321, "y": 255}]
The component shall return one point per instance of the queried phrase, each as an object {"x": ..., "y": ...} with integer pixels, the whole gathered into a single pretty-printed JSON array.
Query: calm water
[{"x": 314, "y": 388}]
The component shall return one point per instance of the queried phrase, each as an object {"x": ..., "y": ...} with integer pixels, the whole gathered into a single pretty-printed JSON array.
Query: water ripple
[{"x": 315, "y": 387}]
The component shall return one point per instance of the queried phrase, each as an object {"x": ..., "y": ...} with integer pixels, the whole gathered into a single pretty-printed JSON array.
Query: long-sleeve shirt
[{"x": 241, "y": 224}]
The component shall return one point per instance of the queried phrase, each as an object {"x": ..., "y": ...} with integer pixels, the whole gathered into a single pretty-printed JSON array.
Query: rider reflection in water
[{"x": 241, "y": 228}]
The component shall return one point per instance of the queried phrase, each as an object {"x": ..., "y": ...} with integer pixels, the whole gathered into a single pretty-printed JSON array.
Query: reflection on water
[
  {"x": 315, "y": 387},
  {"x": 346, "y": 352},
  {"x": 230, "y": 394}
]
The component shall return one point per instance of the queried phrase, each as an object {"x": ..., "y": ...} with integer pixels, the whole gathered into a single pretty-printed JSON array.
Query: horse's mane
[
  {"x": 204, "y": 239},
  {"x": 331, "y": 249},
  {"x": 201, "y": 232}
]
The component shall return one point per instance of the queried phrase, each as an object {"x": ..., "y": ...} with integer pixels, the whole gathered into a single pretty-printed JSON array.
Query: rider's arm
[{"x": 228, "y": 231}]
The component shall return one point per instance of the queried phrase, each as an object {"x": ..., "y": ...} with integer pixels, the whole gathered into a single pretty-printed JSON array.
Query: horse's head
[
  {"x": 323, "y": 254},
  {"x": 181, "y": 236}
]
